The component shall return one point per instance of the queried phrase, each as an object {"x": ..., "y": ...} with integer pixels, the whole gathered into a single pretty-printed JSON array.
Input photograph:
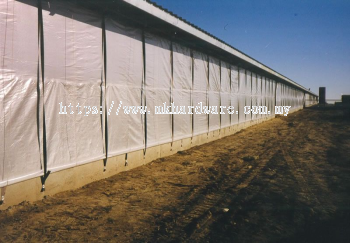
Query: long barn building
[{"x": 71, "y": 71}]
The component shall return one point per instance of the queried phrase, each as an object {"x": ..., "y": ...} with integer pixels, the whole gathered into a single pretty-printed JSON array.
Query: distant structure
[
  {"x": 345, "y": 99},
  {"x": 322, "y": 95}
]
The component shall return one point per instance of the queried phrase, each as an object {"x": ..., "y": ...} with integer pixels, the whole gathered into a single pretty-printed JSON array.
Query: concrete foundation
[{"x": 78, "y": 176}]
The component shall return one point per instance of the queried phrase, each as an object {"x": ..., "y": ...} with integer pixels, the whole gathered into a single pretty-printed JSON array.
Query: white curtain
[
  {"x": 254, "y": 94},
  {"x": 124, "y": 81},
  {"x": 21, "y": 107},
  {"x": 73, "y": 77},
  {"x": 273, "y": 96},
  {"x": 182, "y": 85},
  {"x": 214, "y": 94},
  {"x": 234, "y": 95},
  {"x": 258, "y": 93},
  {"x": 158, "y": 85},
  {"x": 242, "y": 95},
  {"x": 225, "y": 94},
  {"x": 263, "y": 94},
  {"x": 200, "y": 87},
  {"x": 249, "y": 93}
]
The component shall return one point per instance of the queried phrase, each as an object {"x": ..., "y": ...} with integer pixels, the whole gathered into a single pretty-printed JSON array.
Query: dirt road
[{"x": 286, "y": 180}]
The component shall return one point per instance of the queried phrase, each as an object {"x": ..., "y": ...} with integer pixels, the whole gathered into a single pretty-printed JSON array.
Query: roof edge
[{"x": 169, "y": 17}]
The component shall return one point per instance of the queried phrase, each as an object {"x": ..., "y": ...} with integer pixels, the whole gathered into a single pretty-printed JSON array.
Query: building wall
[{"x": 62, "y": 58}]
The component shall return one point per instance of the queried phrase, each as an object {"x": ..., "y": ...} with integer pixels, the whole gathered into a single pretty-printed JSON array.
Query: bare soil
[{"x": 285, "y": 180}]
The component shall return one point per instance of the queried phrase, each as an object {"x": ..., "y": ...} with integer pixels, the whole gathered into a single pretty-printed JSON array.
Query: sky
[{"x": 306, "y": 41}]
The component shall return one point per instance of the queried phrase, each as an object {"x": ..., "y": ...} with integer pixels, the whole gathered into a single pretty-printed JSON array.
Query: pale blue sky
[{"x": 307, "y": 41}]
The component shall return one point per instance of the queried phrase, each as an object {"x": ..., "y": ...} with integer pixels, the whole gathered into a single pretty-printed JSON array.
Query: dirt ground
[{"x": 286, "y": 180}]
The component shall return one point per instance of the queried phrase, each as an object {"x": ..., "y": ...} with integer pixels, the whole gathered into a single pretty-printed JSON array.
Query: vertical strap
[
  {"x": 191, "y": 94},
  {"x": 126, "y": 159},
  {"x": 207, "y": 96},
  {"x": 3, "y": 103},
  {"x": 2, "y": 190},
  {"x": 2, "y": 194},
  {"x": 275, "y": 91},
  {"x": 143, "y": 91},
  {"x": 251, "y": 91},
  {"x": 41, "y": 61},
  {"x": 230, "y": 75},
  {"x": 265, "y": 103},
  {"x": 239, "y": 89},
  {"x": 103, "y": 100},
  {"x": 39, "y": 85},
  {"x": 220, "y": 95},
  {"x": 245, "y": 90},
  {"x": 104, "y": 91},
  {"x": 260, "y": 98},
  {"x": 171, "y": 91}
]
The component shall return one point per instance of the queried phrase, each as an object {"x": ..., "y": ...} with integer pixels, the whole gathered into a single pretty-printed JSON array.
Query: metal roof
[{"x": 175, "y": 20}]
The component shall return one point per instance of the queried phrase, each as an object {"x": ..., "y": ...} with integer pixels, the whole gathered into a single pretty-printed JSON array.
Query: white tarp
[
  {"x": 281, "y": 93},
  {"x": 248, "y": 97},
  {"x": 297, "y": 98},
  {"x": 284, "y": 95},
  {"x": 258, "y": 93},
  {"x": 200, "y": 87},
  {"x": 73, "y": 76},
  {"x": 3, "y": 16},
  {"x": 124, "y": 81},
  {"x": 254, "y": 94},
  {"x": 77, "y": 83},
  {"x": 306, "y": 99},
  {"x": 301, "y": 99},
  {"x": 272, "y": 95},
  {"x": 182, "y": 85},
  {"x": 263, "y": 93},
  {"x": 234, "y": 94},
  {"x": 21, "y": 134},
  {"x": 214, "y": 94},
  {"x": 269, "y": 93},
  {"x": 289, "y": 96},
  {"x": 225, "y": 94},
  {"x": 242, "y": 95},
  {"x": 157, "y": 85}
]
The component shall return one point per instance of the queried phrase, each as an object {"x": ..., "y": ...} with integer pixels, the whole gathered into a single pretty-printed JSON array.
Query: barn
[{"x": 81, "y": 81}]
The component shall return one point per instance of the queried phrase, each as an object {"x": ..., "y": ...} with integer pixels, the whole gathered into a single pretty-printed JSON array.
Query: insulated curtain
[
  {"x": 200, "y": 96},
  {"x": 73, "y": 77},
  {"x": 158, "y": 87},
  {"x": 124, "y": 78},
  {"x": 182, "y": 86},
  {"x": 20, "y": 98},
  {"x": 214, "y": 94},
  {"x": 234, "y": 94},
  {"x": 225, "y": 94}
]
